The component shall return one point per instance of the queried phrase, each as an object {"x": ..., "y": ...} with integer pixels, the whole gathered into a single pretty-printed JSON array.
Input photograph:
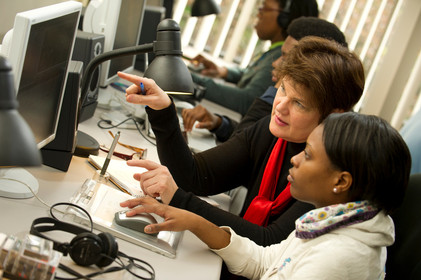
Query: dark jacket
[{"x": 238, "y": 162}]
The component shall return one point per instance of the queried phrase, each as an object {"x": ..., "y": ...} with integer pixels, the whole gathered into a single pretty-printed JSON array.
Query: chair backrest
[{"x": 404, "y": 256}]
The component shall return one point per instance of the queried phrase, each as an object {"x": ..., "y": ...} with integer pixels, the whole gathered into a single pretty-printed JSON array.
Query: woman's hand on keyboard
[{"x": 157, "y": 181}]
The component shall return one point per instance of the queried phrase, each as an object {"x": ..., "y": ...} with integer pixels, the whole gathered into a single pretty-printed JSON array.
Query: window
[{"x": 368, "y": 26}]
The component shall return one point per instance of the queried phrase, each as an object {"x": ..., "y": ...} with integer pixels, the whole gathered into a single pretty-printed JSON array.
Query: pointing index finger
[
  {"x": 148, "y": 164},
  {"x": 129, "y": 77}
]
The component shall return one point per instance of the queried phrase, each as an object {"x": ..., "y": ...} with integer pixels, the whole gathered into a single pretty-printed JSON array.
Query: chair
[
  {"x": 238, "y": 196},
  {"x": 404, "y": 256}
]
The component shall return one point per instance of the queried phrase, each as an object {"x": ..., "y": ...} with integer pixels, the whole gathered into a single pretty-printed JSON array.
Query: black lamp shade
[
  {"x": 170, "y": 73},
  {"x": 202, "y": 8},
  {"x": 17, "y": 142},
  {"x": 168, "y": 69}
]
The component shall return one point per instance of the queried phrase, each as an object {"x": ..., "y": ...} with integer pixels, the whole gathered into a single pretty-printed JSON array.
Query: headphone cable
[
  {"x": 132, "y": 263},
  {"x": 71, "y": 272}
]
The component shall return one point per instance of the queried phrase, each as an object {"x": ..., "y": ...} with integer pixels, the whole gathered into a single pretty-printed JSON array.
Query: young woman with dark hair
[{"x": 354, "y": 170}]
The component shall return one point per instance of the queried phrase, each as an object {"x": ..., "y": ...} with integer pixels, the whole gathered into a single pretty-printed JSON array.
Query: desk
[{"x": 193, "y": 260}]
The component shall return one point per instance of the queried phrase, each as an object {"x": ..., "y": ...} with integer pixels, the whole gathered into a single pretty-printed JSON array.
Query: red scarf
[{"x": 264, "y": 205}]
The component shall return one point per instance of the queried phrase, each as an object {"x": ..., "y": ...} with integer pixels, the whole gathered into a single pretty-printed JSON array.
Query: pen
[
  {"x": 142, "y": 89},
  {"x": 119, "y": 86},
  {"x": 109, "y": 155}
]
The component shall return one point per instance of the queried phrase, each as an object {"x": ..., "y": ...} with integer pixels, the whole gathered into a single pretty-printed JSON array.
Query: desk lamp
[
  {"x": 167, "y": 69},
  {"x": 17, "y": 143},
  {"x": 202, "y": 8}
]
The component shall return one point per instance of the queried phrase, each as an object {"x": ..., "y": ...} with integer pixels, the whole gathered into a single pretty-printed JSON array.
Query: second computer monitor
[{"x": 120, "y": 21}]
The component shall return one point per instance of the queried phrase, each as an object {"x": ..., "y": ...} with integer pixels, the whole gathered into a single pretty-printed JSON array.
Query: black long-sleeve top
[{"x": 239, "y": 161}]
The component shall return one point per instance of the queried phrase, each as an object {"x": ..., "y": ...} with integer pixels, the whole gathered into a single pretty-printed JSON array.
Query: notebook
[{"x": 120, "y": 174}]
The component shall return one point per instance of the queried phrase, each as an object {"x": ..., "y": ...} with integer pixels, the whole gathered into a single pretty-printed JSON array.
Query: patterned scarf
[{"x": 322, "y": 220}]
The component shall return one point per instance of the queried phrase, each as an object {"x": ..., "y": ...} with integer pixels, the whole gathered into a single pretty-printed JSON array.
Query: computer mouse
[{"x": 137, "y": 222}]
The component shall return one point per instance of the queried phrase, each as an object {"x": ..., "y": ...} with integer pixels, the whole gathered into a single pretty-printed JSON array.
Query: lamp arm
[{"x": 96, "y": 61}]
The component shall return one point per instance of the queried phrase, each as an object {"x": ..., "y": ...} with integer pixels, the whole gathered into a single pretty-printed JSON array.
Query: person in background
[
  {"x": 273, "y": 17},
  {"x": 223, "y": 126},
  {"x": 318, "y": 77},
  {"x": 346, "y": 235}
]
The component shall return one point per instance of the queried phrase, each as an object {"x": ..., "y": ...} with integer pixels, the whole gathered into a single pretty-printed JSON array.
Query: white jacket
[{"x": 357, "y": 251}]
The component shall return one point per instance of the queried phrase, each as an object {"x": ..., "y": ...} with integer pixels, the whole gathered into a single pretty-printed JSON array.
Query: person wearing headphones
[
  {"x": 273, "y": 19},
  {"x": 222, "y": 126}
]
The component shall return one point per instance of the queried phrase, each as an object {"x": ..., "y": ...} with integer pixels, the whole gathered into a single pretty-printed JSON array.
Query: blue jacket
[{"x": 411, "y": 134}]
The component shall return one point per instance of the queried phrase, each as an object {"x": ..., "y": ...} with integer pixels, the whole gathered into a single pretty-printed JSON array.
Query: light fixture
[
  {"x": 167, "y": 69},
  {"x": 17, "y": 142},
  {"x": 202, "y": 8}
]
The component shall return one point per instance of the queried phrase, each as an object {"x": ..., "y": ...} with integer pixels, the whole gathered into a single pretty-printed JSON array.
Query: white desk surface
[{"x": 193, "y": 260}]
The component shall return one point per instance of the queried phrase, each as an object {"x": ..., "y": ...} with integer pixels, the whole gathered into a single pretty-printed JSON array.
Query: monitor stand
[
  {"x": 15, "y": 183},
  {"x": 85, "y": 145}
]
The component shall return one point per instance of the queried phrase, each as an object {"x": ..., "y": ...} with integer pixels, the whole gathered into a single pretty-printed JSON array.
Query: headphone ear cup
[
  {"x": 283, "y": 20},
  {"x": 85, "y": 249},
  {"x": 109, "y": 248}
]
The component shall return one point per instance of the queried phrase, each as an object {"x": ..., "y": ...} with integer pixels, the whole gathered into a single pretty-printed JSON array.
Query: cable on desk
[
  {"x": 109, "y": 125},
  {"x": 71, "y": 272},
  {"x": 143, "y": 135},
  {"x": 132, "y": 261},
  {"x": 108, "y": 122},
  {"x": 131, "y": 264},
  {"x": 88, "y": 276},
  {"x": 53, "y": 207},
  {"x": 35, "y": 195}
]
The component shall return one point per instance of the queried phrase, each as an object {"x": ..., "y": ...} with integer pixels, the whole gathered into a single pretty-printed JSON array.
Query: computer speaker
[{"x": 88, "y": 46}]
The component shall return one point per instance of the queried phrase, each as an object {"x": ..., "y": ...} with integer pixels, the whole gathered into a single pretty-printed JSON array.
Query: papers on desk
[
  {"x": 102, "y": 202},
  {"x": 120, "y": 174}
]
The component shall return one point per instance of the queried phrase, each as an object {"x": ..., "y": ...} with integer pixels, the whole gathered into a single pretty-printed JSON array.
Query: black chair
[{"x": 404, "y": 256}]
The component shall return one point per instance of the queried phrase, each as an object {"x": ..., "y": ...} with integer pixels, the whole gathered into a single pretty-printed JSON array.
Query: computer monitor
[
  {"x": 120, "y": 21},
  {"x": 153, "y": 16},
  {"x": 39, "y": 48}
]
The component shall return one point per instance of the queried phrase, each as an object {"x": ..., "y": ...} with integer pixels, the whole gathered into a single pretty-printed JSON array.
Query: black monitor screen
[
  {"x": 44, "y": 72},
  {"x": 127, "y": 33}
]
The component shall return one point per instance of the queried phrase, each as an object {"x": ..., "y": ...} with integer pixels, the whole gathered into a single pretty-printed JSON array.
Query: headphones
[
  {"x": 283, "y": 17},
  {"x": 85, "y": 249}
]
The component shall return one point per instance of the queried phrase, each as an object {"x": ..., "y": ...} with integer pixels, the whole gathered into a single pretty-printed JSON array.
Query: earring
[{"x": 335, "y": 190}]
